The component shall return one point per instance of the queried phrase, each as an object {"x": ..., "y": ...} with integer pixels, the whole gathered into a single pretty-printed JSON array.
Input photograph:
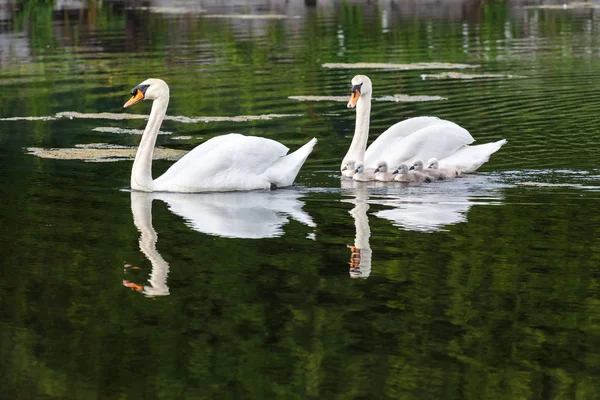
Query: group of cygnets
[{"x": 402, "y": 173}]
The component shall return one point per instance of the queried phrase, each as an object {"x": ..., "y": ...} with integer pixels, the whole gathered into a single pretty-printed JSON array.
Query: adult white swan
[
  {"x": 224, "y": 163},
  {"x": 419, "y": 138}
]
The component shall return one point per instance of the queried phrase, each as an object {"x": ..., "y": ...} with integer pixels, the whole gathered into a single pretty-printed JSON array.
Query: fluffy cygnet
[
  {"x": 445, "y": 172},
  {"x": 361, "y": 174},
  {"x": 382, "y": 174}
]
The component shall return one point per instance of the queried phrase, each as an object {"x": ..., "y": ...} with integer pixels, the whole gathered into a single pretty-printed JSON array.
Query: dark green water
[{"x": 486, "y": 287}]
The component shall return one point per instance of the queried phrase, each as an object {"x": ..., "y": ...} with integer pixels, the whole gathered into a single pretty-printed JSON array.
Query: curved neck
[
  {"x": 364, "y": 254},
  {"x": 141, "y": 208},
  {"x": 141, "y": 173},
  {"x": 356, "y": 152}
]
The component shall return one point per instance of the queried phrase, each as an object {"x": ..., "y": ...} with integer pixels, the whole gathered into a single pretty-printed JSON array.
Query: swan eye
[{"x": 356, "y": 88}]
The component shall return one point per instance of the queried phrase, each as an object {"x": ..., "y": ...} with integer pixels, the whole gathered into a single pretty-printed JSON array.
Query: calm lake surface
[{"x": 486, "y": 287}]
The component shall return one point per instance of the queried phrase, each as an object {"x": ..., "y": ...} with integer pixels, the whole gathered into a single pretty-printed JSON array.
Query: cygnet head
[
  {"x": 402, "y": 169},
  {"x": 361, "y": 86},
  {"x": 418, "y": 165},
  {"x": 381, "y": 167},
  {"x": 348, "y": 165},
  {"x": 150, "y": 89},
  {"x": 359, "y": 167},
  {"x": 433, "y": 163}
]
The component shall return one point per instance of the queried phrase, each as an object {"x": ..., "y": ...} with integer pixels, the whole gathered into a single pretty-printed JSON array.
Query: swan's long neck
[
  {"x": 356, "y": 152},
  {"x": 141, "y": 208},
  {"x": 141, "y": 173}
]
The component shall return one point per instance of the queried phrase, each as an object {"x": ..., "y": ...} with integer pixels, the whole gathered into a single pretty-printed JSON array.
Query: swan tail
[
  {"x": 469, "y": 158},
  {"x": 283, "y": 172}
]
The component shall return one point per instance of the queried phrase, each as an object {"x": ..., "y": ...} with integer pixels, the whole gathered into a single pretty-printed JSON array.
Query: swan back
[
  {"x": 438, "y": 140},
  {"x": 395, "y": 133},
  {"x": 223, "y": 163}
]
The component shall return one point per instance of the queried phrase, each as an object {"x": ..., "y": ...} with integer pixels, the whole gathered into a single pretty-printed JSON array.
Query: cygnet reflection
[
  {"x": 249, "y": 215},
  {"x": 428, "y": 209},
  {"x": 437, "y": 208}
]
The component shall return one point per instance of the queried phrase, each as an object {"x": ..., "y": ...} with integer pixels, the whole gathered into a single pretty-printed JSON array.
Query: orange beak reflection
[
  {"x": 353, "y": 98},
  {"x": 134, "y": 286},
  {"x": 139, "y": 96}
]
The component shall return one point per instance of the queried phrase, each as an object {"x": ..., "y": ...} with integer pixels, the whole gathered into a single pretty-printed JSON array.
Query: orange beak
[
  {"x": 353, "y": 98},
  {"x": 139, "y": 96}
]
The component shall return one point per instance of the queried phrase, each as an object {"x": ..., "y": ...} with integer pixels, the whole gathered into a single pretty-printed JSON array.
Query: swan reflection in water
[
  {"x": 360, "y": 252},
  {"x": 424, "y": 208},
  {"x": 249, "y": 215}
]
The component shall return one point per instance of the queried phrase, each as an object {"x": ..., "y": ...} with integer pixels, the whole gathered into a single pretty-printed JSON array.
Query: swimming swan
[
  {"x": 413, "y": 139},
  {"x": 224, "y": 163}
]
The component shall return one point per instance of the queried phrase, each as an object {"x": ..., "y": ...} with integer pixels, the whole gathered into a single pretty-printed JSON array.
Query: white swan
[
  {"x": 224, "y": 163},
  {"x": 414, "y": 139}
]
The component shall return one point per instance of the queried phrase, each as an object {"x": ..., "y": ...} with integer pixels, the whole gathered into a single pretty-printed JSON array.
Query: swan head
[
  {"x": 433, "y": 163},
  {"x": 361, "y": 85},
  {"x": 381, "y": 167},
  {"x": 418, "y": 166},
  {"x": 150, "y": 89},
  {"x": 359, "y": 167},
  {"x": 402, "y": 169}
]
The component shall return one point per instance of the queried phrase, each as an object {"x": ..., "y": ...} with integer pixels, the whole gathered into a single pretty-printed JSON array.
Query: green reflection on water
[{"x": 501, "y": 304}]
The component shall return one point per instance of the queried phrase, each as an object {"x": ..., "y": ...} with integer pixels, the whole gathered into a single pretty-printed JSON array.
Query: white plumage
[
  {"x": 414, "y": 139},
  {"x": 224, "y": 163}
]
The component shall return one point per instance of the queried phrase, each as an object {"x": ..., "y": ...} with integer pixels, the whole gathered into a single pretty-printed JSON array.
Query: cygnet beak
[{"x": 411, "y": 168}]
